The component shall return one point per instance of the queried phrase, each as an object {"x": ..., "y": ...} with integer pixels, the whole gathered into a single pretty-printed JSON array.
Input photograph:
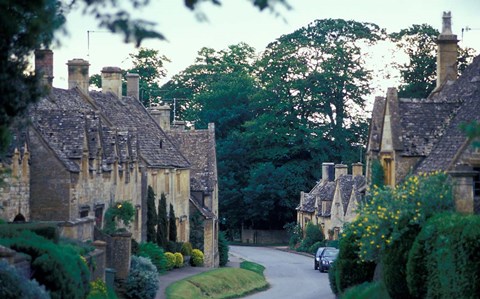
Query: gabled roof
[
  {"x": 198, "y": 146},
  {"x": 117, "y": 129},
  {"x": 467, "y": 91}
]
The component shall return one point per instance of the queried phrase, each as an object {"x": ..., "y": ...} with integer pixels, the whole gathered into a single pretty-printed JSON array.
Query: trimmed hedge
[
  {"x": 46, "y": 230},
  {"x": 367, "y": 290},
  {"x": 178, "y": 260},
  {"x": 348, "y": 269},
  {"x": 444, "y": 261},
  {"x": 170, "y": 260},
  {"x": 197, "y": 258},
  {"x": 59, "y": 268}
]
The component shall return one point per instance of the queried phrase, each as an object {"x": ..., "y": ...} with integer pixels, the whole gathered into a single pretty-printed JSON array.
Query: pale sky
[{"x": 238, "y": 21}]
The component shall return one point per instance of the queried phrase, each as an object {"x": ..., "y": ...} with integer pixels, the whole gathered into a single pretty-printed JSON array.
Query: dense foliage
[
  {"x": 151, "y": 216},
  {"x": 171, "y": 260},
  {"x": 444, "y": 260},
  {"x": 186, "y": 249},
  {"x": 178, "y": 260},
  {"x": 197, "y": 258},
  {"x": 155, "y": 254},
  {"x": 313, "y": 234},
  {"x": 14, "y": 286},
  {"x": 162, "y": 228},
  {"x": 122, "y": 212},
  {"x": 197, "y": 230},
  {"x": 59, "y": 268},
  {"x": 48, "y": 231},
  {"x": 172, "y": 225},
  {"x": 142, "y": 281},
  {"x": 222, "y": 248}
]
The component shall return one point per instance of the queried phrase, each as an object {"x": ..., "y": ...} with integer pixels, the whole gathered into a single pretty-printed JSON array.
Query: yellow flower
[
  {"x": 383, "y": 236},
  {"x": 360, "y": 224},
  {"x": 371, "y": 242}
]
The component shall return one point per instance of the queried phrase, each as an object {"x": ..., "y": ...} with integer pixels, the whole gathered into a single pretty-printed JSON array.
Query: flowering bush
[
  {"x": 98, "y": 289},
  {"x": 390, "y": 213}
]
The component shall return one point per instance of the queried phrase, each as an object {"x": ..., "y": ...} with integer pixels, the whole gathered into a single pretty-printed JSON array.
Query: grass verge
[{"x": 220, "y": 283}]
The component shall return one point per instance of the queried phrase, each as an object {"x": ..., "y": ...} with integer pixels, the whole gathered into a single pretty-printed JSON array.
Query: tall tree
[
  {"x": 162, "y": 229},
  {"x": 172, "y": 225},
  {"x": 152, "y": 220},
  {"x": 313, "y": 88},
  {"x": 418, "y": 75}
]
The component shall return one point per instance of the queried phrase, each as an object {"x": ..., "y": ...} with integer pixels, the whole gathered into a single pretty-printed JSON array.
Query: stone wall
[
  {"x": 15, "y": 188},
  {"x": 255, "y": 236},
  {"x": 210, "y": 244},
  {"x": 79, "y": 229}
]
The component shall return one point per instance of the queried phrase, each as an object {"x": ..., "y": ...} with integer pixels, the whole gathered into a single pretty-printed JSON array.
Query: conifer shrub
[
  {"x": 48, "y": 231},
  {"x": 197, "y": 258},
  {"x": 171, "y": 260},
  {"x": 155, "y": 254},
  {"x": 59, "y": 268},
  {"x": 444, "y": 261},
  {"x": 186, "y": 249},
  {"x": 222, "y": 249},
  {"x": 13, "y": 286},
  {"x": 142, "y": 280},
  {"x": 151, "y": 216},
  {"x": 178, "y": 260}
]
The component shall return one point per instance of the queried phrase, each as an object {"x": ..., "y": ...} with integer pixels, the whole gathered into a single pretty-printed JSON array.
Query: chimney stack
[
  {"x": 161, "y": 114},
  {"x": 357, "y": 169},
  {"x": 132, "y": 85},
  {"x": 447, "y": 52},
  {"x": 340, "y": 169},
  {"x": 78, "y": 74},
  {"x": 327, "y": 171},
  {"x": 112, "y": 80},
  {"x": 44, "y": 65}
]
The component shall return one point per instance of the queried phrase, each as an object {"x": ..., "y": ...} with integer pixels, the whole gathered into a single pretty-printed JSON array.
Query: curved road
[{"x": 290, "y": 275}]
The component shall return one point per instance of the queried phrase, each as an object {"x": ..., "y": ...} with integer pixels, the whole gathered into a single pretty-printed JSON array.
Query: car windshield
[
  {"x": 330, "y": 253},
  {"x": 319, "y": 251}
]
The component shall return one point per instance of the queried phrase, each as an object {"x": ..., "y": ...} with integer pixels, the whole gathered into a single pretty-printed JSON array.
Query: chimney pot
[
  {"x": 447, "y": 49},
  {"x": 161, "y": 114},
  {"x": 357, "y": 169},
  {"x": 78, "y": 74},
  {"x": 340, "y": 169},
  {"x": 133, "y": 85},
  {"x": 112, "y": 80},
  {"x": 327, "y": 171}
]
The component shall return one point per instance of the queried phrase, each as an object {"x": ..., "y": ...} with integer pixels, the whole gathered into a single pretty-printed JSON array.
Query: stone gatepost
[
  {"x": 120, "y": 253},
  {"x": 463, "y": 188},
  {"x": 100, "y": 255}
]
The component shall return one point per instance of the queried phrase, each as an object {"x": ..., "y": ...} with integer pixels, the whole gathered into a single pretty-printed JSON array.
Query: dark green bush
[
  {"x": 13, "y": 286},
  {"x": 331, "y": 279},
  {"x": 313, "y": 249},
  {"x": 367, "y": 290},
  {"x": 142, "y": 280},
  {"x": 349, "y": 269},
  {"x": 222, "y": 249},
  {"x": 186, "y": 249},
  {"x": 174, "y": 246},
  {"x": 121, "y": 211},
  {"x": 313, "y": 234},
  {"x": 59, "y": 268},
  {"x": 46, "y": 230},
  {"x": 155, "y": 254},
  {"x": 134, "y": 246},
  {"x": 295, "y": 232},
  {"x": 394, "y": 262},
  {"x": 444, "y": 261}
]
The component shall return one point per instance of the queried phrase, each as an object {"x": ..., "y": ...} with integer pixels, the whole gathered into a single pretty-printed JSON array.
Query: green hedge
[
  {"x": 59, "y": 268},
  {"x": 367, "y": 290},
  {"x": 46, "y": 230},
  {"x": 155, "y": 254},
  {"x": 348, "y": 269},
  {"x": 222, "y": 249},
  {"x": 444, "y": 261}
]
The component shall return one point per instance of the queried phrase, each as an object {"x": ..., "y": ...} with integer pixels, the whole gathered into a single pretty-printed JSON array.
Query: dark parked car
[
  {"x": 327, "y": 257},
  {"x": 316, "y": 259}
]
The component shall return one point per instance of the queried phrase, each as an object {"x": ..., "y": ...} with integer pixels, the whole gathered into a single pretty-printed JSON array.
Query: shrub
[
  {"x": 295, "y": 232},
  {"x": 134, "y": 247},
  {"x": 151, "y": 216},
  {"x": 172, "y": 225},
  {"x": 222, "y": 249},
  {"x": 13, "y": 286},
  {"x": 178, "y": 260},
  {"x": 155, "y": 254},
  {"x": 142, "y": 280},
  {"x": 394, "y": 265},
  {"x": 197, "y": 258},
  {"x": 313, "y": 249},
  {"x": 170, "y": 260},
  {"x": 174, "y": 246},
  {"x": 162, "y": 222},
  {"x": 367, "y": 290},
  {"x": 63, "y": 272},
  {"x": 123, "y": 211},
  {"x": 331, "y": 279},
  {"x": 98, "y": 290},
  {"x": 186, "y": 249},
  {"x": 444, "y": 261},
  {"x": 349, "y": 269},
  {"x": 313, "y": 234},
  {"x": 48, "y": 231}
]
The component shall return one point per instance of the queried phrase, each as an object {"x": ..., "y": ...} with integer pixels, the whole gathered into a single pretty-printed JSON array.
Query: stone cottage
[
  {"x": 89, "y": 150},
  {"x": 333, "y": 200},
  {"x": 424, "y": 135},
  {"x": 199, "y": 149}
]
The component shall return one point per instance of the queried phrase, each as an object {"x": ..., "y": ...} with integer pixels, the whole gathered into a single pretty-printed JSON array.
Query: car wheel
[{"x": 315, "y": 266}]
